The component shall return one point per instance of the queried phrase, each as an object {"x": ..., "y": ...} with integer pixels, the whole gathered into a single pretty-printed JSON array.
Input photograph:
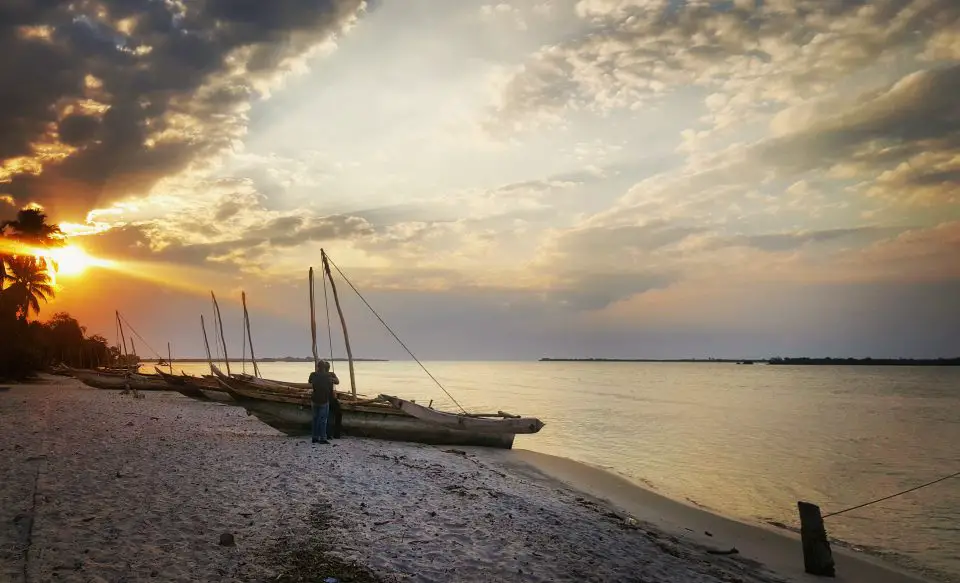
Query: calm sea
[{"x": 747, "y": 441}]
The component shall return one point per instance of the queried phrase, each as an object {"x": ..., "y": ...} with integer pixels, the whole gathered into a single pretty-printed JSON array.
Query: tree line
[{"x": 26, "y": 345}]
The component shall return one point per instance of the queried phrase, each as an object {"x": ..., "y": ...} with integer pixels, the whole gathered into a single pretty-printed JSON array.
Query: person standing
[
  {"x": 335, "y": 419},
  {"x": 322, "y": 384}
]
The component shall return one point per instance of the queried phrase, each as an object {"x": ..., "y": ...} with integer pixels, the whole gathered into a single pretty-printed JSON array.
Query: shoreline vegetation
[
  {"x": 134, "y": 488},
  {"x": 828, "y": 361}
]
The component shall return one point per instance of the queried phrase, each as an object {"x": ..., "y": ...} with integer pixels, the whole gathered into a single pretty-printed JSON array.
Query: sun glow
[{"x": 72, "y": 260}]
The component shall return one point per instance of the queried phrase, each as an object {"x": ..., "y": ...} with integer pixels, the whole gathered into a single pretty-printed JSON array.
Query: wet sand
[{"x": 99, "y": 486}]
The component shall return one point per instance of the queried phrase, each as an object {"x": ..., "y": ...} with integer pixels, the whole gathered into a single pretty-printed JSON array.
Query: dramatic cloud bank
[
  {"x": 605, "y": 177},
  {"x": 103, "y": 98}
]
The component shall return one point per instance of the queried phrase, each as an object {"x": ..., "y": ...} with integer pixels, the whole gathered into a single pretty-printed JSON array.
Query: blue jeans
[{"x": 320, "y": 415}]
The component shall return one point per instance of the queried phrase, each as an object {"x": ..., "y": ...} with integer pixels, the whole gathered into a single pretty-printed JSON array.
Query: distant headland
[{"x": 828, "y": 361}]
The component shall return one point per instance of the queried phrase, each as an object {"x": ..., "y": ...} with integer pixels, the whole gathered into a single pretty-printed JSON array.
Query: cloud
[
  {"x": 916, "y": 114},
  {"x": 775, "y": 242},
  {"x": 136, "y": 90},
  {"x": 751, "y": 57},
  {"x": 221, "y": 224},
  {"x": 503, "y": 12},
  {"x": 596, "y": 291}
]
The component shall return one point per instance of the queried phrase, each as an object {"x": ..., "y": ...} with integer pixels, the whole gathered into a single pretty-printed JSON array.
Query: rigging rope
[
  {"x": 397, "y": 338},
  {"x": 954, "y": 475},
  {"x": 155, "y": 353},
  {"x": 326, "y": 305}
]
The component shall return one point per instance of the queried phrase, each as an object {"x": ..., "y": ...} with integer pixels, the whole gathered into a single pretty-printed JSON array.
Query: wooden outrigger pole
[
  {"x": 246, "y": 321},
  {"x": 343, "y": 323},
  {"x": 223, "y": 339}
]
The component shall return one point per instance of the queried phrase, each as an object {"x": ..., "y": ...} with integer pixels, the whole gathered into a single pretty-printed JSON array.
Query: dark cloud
[
  {"x": 595, "y": 291},
  {"x": 918, "y": 114},
  {"x": 140, "y": 242},
  {"x": 607, "y": 243},
  {"x": 173, "y": 76},
  {"x": 76, "y": 129}
]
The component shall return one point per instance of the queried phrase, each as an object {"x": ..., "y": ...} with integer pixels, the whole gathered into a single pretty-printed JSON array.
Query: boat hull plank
[
  {"x": 512, "y": 424},
  {"x": 138, "y": 382}
]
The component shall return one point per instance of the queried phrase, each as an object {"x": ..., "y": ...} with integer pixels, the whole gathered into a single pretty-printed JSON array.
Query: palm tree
[
  {"x": 31, "y": 226},
  {"x": 29, "y": 283},
  {"x": 3, "y": 259}
]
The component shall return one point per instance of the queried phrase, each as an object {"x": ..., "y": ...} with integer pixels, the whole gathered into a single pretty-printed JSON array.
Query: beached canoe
[
  {"x": 179, "y": 384},
  {"x": 139, "y": 382},
  {"x": 292, "y": 414},
  {"x": 205, "y": 388}
]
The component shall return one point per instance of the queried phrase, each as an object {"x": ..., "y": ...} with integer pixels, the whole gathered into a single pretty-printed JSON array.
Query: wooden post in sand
[{"x": 817, "y": 557}]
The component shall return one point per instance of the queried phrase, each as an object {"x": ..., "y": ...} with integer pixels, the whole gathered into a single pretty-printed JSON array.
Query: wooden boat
[
  {"x": 293, "y": 415},
  {"x": 287, "y": 408},
  {"x": 100, "y": 380},
  {"x": 205, "y": 388},
  {"x": 60, "y": 370},
  {"x": 209, "y": 387}
]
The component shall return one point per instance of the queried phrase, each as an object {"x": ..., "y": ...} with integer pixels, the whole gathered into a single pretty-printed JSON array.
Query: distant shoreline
[
  {"x": 280, "y": 359},
  {"x": 783, "y": 361},
  {"x": 703, "y": 360}
]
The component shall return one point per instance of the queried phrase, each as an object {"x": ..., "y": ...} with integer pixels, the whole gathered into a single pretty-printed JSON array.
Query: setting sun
[{"x": 72, "y": 260}]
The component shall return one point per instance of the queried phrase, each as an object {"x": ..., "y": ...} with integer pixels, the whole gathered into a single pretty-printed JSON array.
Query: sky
[{"x": 584, "y": 178}]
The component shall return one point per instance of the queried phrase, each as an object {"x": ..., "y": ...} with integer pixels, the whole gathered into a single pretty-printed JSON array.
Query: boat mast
[
  {"x": 223, "y": 339},
  {"x": 343, "y": 322},
  {"x": 246, "y": 321},
  {"x": 313, "y": 323},
  {"x": 123, "y": 340},
  {"x": 206, "y": 343},
  {"x": 169, "y": 358}
]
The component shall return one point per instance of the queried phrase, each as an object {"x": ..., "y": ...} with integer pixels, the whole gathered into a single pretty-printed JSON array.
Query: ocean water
[{"x": 745, "y": 441}]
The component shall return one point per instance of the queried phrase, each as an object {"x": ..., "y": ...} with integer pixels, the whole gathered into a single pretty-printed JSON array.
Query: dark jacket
[{"x": 322, "y": 383}]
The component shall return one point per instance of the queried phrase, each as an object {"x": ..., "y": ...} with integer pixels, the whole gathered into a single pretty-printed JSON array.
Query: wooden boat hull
[
  {"x": 196, "y": 388},
  {"x": 112, "y": 382},
  {"x": 290, "y": 412},
  {"x": 295, "y": 419}
]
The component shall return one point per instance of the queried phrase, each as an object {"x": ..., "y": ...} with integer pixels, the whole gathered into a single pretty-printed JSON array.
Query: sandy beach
[{"x": 99, "y": 486}]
